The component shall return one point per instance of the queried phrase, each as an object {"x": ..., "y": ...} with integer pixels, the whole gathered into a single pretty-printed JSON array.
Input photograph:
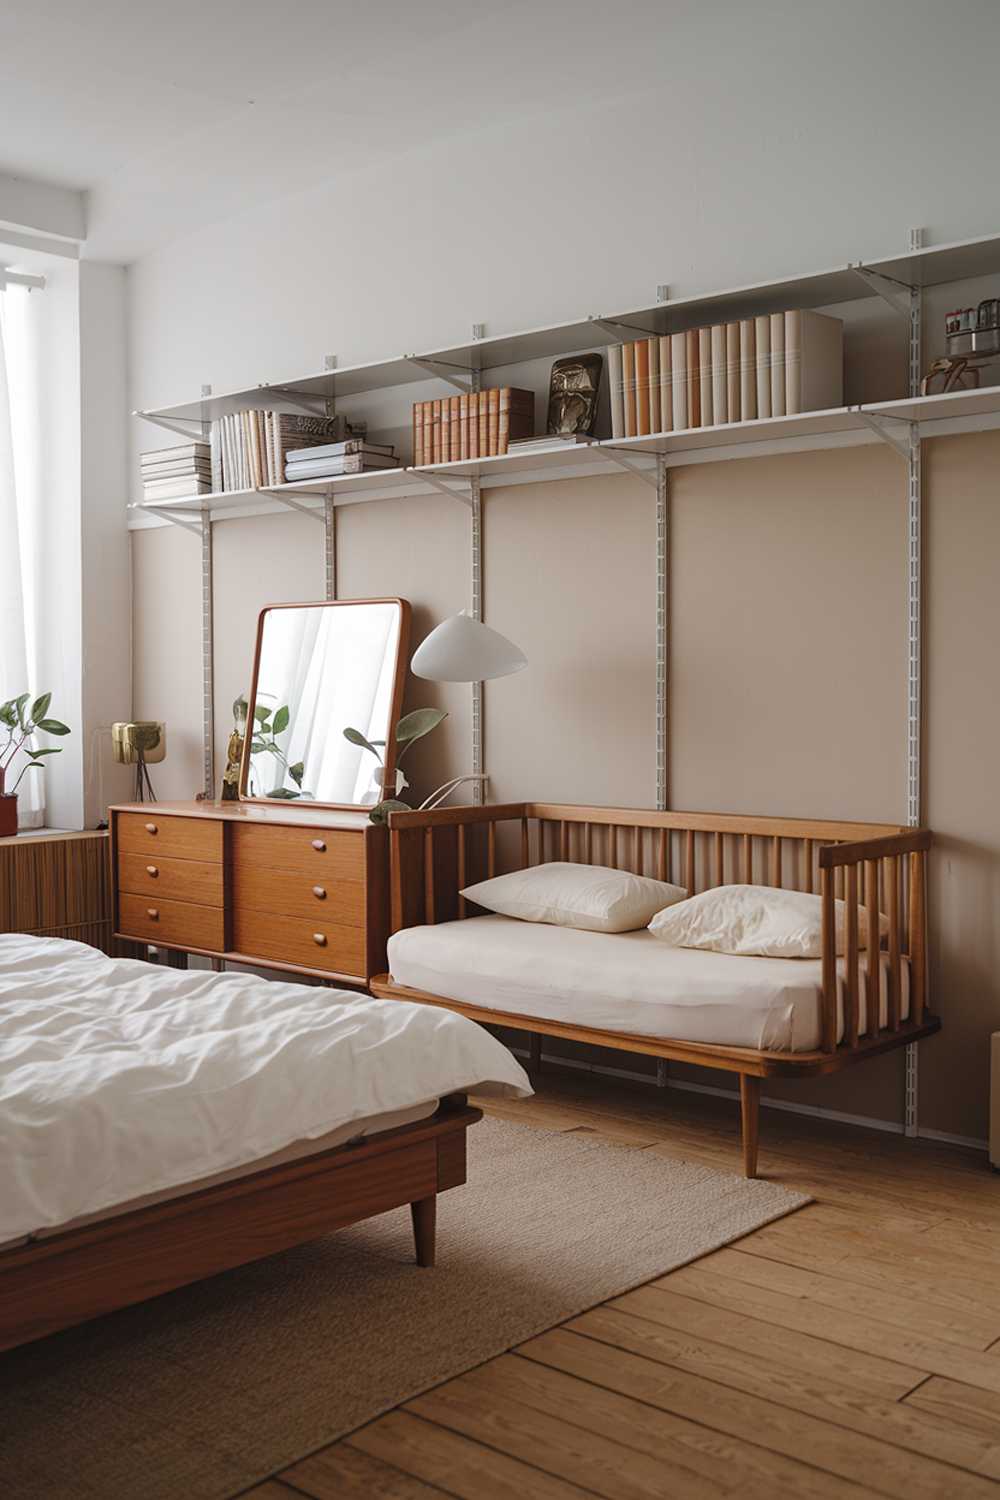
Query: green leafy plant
[
  {"x": 411, "y": 727},
  {"x": 21, "y": 724},
  {"x": 268, "y": 724}
]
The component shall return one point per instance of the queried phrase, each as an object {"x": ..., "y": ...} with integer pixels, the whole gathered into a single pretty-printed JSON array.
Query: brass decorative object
[
  {"x": 573, "y": 391},
  {"x": 141, "y": 743}
]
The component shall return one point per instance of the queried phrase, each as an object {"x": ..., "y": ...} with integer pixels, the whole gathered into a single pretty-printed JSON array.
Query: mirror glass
[{"x": 321, "y": 669}]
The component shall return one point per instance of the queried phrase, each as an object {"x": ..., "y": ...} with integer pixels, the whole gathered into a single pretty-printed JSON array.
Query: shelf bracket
[
  {"x": 317, "y": 408},
  {"x": 284, "y": 498},
  {"x": 614, "y": 326},
  {"x": 896, "y": 293},
  {"x": 440, "y": 368},
  {"x": 892, "y": 430},
  {"x": 195, "y": 527},
  {"x": 464, "y": 495},
  {"x": 648, "y": 476},
  {"x": 182, "y": 425}
]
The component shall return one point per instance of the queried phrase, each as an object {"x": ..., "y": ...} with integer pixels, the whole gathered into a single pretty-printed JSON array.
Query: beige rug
[{"x": 204, "y": 1391}]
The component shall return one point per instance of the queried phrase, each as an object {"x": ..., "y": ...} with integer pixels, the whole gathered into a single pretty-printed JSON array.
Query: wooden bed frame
[
  {"x": 871, "y": 866},
  {"x": 66, "y": 1278}
]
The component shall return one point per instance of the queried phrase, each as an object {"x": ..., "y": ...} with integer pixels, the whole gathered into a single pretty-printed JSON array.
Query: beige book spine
[
  {"x": 679, "y": 387},
  {"x": 733, "y": 402},
  {"x": 777, "y": 364},
  {"x": 762, "y": 335},
  {"x": 694, "y": 377},
  {"x": 720, "y": 388},
  {"x": 666, "y": 385},
  {"x": 705, "y": 377},
  {"x": 642, "y": 387},
  {"x": 628, "y": 388},
  {"x": 616, "y": 392}
]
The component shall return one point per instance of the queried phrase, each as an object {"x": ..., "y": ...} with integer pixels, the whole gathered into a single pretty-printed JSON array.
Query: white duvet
[{"x": 119, "y": 1078}]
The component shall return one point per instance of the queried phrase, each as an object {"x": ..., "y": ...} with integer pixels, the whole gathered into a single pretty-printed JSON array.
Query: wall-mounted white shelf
[
  {"x": 955, "y": 412},
  {"x": 927, "y": 267}
]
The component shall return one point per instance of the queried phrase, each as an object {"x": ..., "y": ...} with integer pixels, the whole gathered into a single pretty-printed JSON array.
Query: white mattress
[
  {"x": 120, "y": 1080},
  {"x": 628, "y": 981}
]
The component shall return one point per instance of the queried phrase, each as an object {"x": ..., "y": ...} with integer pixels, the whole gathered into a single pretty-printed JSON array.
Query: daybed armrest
[
  {"x": 434, "y": 854},
  {"x": 856, "y": 873}
]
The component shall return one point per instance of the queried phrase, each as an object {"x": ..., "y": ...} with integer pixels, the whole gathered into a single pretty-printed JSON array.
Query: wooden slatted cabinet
[{"x": 304, "y": 889}]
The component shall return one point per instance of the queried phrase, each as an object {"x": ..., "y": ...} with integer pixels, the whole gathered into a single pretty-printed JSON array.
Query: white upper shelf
[
  {"x": 958, "y": 411},
  {"x": 929, "y": 267}
]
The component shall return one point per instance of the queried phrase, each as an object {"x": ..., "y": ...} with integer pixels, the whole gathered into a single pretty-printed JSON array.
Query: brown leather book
[
  {"x": 642, "y": 387},
  {"x": 473, "y": 424},
  {"x": 494, "y": 408},
  {"x": 484, "y": 424},
  {"x": 418, "y": 432},
  {"x": 463, "y": 426},
  {"x": 435, "y": 457},
  {"x": 517, "y": 416},
  {"x": 446, "y": 430},
  {"x": 456, "y": 428}
]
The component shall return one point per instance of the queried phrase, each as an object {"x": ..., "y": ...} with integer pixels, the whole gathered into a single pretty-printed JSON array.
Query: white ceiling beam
[{"x": 41, "y": 208}]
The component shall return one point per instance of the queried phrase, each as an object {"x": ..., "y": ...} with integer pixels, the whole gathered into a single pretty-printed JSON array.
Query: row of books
[
  {"x": 352, "y": 456},
  {"x": 185, "y": 469},
  {"x": 250, "y": 448},
  {"x": 479, "y": 424},
  {"x": 774, "y": 365}
]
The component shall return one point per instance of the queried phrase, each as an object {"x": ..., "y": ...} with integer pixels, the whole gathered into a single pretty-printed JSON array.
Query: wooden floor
[{"x": 851, "y": 1349}]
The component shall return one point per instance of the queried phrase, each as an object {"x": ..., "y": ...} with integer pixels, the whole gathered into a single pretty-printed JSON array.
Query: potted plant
[
  {"x": 411, "y": 727},
  {"x": 21, "y": 724}
]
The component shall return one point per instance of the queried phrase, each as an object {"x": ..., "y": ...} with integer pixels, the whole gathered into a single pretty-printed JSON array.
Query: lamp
[
  {"x": 462, "y": 649},
  {"x": 140, "y": 744}
]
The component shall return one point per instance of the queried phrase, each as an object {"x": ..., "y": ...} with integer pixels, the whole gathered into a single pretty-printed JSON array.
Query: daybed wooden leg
[
  {"x": 750, "y": 1121},
  {"x": 534, "y": 1052},
  {"x": 424, "y": 1213}
]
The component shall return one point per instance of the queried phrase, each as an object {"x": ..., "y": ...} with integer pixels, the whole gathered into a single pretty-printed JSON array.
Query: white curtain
[{"x": 19, "y": 421}]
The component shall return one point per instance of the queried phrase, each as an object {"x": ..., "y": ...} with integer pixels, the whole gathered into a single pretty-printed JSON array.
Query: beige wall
[{"x": 787, "y": 670}]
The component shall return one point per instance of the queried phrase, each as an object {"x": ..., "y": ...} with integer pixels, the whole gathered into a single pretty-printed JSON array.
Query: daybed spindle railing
[{"x": 877, "y": 870}]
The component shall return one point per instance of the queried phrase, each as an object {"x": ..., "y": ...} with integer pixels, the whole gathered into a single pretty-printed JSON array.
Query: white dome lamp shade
[{"x": 462, "y": 649}]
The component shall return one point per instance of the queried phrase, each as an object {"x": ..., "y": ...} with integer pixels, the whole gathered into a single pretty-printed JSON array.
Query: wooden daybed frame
[
  {"x": 66, "y": 1278},
  {"x": 872, "y": 866}
]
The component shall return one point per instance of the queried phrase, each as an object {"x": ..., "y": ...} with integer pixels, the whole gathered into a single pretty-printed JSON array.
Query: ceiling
[{"x": 173, "y": 114}]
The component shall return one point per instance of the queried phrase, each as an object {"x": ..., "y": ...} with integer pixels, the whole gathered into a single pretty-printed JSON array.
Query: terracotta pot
[{"x": 8, "y": 815}]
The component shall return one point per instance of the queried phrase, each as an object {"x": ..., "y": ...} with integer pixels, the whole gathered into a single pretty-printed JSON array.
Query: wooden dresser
[{"x": 297, "y": 888}]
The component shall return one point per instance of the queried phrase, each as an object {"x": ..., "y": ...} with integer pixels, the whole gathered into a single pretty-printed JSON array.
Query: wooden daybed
[
  {"x": 69, "y": 1277},
  {"x": 873, "y": 867}
]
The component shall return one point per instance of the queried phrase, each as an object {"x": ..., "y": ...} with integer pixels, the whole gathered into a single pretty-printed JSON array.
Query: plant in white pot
[{"x": 21, "y": 724}]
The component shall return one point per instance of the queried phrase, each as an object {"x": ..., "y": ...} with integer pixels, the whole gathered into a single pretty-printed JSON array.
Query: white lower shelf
[{"x": 955, "y": 412}]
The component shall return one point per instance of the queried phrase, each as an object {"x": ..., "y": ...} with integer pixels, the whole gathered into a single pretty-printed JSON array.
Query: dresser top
[{"x": 298, "y": 815}]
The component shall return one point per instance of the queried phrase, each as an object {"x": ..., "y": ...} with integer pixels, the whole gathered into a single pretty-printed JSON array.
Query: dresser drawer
[
  {"x": 330, "y": 853},
  {"x": 315, "y": 895},
  {"x": 178, "y": 922},
  {"x": 315, "y": 944},
  {"x": 183, "y": 838},
  {"x": 168, "y": 879}
]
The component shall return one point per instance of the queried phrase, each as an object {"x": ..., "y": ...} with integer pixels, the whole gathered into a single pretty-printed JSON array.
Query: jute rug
[{"x": 202, "y": 1392}]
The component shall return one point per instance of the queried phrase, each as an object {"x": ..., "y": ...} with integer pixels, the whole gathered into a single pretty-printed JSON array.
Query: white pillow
[
  {"x": 590, "y": 897},
  {"x": 755, "y": 920}
]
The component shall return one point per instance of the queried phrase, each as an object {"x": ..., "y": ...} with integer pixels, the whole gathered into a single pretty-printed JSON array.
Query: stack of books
[
  {"x": 351, "y": 456},
  {"x": 775, "y": 365},
  {"x": 171, "y": 473},
  {"x": 550, "y": 442},
  {"x": 249, "y": 448},
  {"x": 480, "y": 424}
]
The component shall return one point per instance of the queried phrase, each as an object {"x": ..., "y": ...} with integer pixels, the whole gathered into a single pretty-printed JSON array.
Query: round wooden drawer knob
[
  {"x": 152, "y": 870},
  {"x": 319, "y": 845},
  {"x": 319, "y": 938},
  {"x": 151, "y": 828},
  {"x": 319, "y": 892},
  {"x": 153, "y": 913}
]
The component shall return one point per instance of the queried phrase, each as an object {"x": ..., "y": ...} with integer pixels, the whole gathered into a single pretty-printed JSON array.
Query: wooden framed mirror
[{"x": 320, "y": 669}]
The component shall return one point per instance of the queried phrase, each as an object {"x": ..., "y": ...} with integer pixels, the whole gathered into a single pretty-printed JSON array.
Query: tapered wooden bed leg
[
  {"x": 534, "y": 1052},
  {"x": 750, "y": 1121},
  {"x": 424, "y": 1213}
]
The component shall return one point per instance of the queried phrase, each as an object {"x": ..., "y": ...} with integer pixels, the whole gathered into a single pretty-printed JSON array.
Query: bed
[
  {"x": 757, "y": 1017},
  {"x": 159, "y": 1125}
]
